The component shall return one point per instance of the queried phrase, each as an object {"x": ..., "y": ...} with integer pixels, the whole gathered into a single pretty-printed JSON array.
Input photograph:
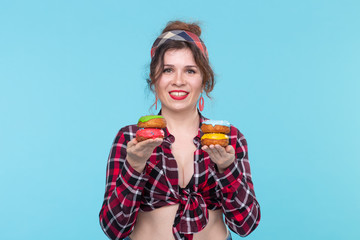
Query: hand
[
  {"x": 221, "y": 156},
  {"x": 139, "y": 152}
]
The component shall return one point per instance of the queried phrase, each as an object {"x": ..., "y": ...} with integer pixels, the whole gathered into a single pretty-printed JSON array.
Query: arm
[
  {"x": 123, "y": 192},
  {"x": 239, "y": 204},
  {"x": 241, "y": 209}
]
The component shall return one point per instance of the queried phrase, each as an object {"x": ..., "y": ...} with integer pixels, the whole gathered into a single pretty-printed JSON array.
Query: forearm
[
  {"x": 116, "y": 220},
  {"x": 120, "y": 207},
  {"x": 240, "y": 206},
  {"x": 136, "y": 165},
  {"x": 241, "y": 209}
]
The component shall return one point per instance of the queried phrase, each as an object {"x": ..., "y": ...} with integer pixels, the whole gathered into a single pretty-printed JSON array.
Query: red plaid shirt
[{"x": 128, "y": 191}]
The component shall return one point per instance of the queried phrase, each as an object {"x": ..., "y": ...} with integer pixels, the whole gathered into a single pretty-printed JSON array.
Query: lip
[{"x": 179, "y": 97}]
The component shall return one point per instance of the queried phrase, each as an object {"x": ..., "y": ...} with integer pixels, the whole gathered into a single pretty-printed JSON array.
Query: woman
[{"x": 174, "y": 188}]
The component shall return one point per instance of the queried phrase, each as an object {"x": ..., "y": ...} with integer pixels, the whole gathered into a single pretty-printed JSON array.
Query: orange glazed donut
[
  {"x": 215, "y": 133},
  {"x": 212, "y": 139}
]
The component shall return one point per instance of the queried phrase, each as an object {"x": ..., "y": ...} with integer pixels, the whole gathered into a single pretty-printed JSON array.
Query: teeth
[{"x": 178, "y": 93}]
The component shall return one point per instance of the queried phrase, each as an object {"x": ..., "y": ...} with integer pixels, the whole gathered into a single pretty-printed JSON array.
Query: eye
[
  {"x": 167, "y": 70},
  {"x": 191, "y": 71}
]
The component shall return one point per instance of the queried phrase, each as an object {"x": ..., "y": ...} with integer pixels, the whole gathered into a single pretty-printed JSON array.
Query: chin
[{"x": 182, "y": 108}]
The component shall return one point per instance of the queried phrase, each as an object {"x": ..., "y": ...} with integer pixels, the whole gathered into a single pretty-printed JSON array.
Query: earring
[
  {"x": 201, "y": 103},
  {"x": 156, "y": 100}
]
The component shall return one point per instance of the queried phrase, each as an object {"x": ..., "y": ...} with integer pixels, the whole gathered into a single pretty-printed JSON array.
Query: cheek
[
  {"x": 199, "y": 85},
  {"x": 160, "y": 87}
]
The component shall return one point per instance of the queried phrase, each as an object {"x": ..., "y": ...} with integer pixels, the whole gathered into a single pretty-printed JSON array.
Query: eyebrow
[{"x": 171, "y": 65}]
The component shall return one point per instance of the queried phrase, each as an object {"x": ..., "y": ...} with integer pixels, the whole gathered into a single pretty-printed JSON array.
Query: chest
[
  {"x": 174, "y": 167},
  {"x": 183, "y": 151}
]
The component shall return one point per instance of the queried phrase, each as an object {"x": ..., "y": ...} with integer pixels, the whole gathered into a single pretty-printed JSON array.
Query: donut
[
  {"x": 215, "y": 126},
  {"x": 150, "y": 127},
  {"x": 149, "y": 133},
  {"x": 152, "y": 121},
  {"x": 215, "y": 138},
  {"x": 215, "y": 132}
]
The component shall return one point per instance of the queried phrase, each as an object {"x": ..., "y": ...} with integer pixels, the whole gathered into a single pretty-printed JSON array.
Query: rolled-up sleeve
[
  {"x": 239, "y": 203},
  {"x": 123, "y": 192}
]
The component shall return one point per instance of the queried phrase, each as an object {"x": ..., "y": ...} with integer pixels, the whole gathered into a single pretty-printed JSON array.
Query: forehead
[{"x": 179, "y": 56}]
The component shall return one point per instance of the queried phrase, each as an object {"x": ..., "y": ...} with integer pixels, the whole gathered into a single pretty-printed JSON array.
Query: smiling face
[{"x": 180, "y": 83}]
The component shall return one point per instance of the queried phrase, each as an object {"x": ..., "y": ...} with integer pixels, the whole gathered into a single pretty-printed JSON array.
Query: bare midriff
[{"x": 157, "y": 225}]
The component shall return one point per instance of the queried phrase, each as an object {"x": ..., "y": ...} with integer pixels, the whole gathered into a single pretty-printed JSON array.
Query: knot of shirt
[{"x": 193, "y": 212}]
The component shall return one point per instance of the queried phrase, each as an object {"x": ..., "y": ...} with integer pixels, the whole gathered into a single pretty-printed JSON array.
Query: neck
[{"x": 181, "y": 120}]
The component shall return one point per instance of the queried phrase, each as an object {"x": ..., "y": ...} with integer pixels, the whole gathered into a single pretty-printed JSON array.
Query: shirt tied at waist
[{"x": 192, "y": 215}]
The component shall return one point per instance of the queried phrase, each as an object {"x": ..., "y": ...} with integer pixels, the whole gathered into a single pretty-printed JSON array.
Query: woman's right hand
[{"x": 139, "y": 152}]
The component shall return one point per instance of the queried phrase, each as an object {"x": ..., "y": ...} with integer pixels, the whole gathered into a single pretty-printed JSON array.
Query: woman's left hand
[{"x": 221, "y": 156}]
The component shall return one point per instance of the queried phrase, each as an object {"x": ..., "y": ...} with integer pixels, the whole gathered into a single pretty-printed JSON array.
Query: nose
[{"x": 179, "y": 79}]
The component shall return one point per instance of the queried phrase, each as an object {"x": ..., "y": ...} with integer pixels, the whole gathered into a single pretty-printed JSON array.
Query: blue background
[{"x": 73, "y": 72}]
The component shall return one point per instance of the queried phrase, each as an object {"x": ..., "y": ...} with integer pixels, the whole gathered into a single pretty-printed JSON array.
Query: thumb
[
  {"x": 132, "y": 143},
  {"x": 229, "y": 149}
]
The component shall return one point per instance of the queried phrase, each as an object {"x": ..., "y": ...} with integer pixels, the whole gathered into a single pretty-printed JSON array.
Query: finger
[
  {"x": 150, "y": 143},
  {"x": 205, "y": 147},
  {"x": 207, "y": 150},
  {"x": 140, "y": 146},
  {"x": 220, "y": 149},
  {"x": 213, "y": 154},
  {"x": 230, "y": 149},
  {"x": 158, "y": 141},
  {"x": 132, "y": 143},
  {"x": 211, "y": 151},
  {"x": 155, "y": 142}
]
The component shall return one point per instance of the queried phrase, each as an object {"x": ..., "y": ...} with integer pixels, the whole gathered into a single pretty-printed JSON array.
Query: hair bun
[{"x": 179, "y": 25}]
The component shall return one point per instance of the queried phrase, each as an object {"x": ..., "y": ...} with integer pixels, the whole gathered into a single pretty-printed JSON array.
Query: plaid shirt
[{"x": 128, "y": 191}]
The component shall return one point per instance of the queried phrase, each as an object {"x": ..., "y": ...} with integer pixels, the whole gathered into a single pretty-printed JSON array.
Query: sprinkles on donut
[{"x": 150, "y": 127}]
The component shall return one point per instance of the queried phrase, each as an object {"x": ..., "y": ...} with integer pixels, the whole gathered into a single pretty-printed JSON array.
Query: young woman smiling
[{"x": 174, "y": 188}]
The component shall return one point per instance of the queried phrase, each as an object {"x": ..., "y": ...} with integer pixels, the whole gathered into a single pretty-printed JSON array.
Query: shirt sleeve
[
  {"x": 123, "y": 191},
  {"x": 241, "y": 209}
]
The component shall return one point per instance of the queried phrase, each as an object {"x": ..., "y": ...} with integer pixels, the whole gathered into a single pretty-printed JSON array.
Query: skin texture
[{"x": 180, "y": 73}]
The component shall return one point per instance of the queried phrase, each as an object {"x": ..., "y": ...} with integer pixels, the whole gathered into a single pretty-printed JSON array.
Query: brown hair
[{"x": 157, "y": 62}]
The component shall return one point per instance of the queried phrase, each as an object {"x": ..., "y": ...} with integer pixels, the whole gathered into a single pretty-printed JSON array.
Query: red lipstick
[{"x": 178, "y": 94}]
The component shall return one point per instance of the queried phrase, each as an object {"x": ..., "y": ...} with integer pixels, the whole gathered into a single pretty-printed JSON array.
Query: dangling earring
[
  {"x": 201, "y": 103},
  {"x": 156, "y": 100}
]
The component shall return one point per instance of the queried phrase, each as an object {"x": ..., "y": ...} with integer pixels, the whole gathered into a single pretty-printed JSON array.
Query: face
[{"x": 180, "y": 83}]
